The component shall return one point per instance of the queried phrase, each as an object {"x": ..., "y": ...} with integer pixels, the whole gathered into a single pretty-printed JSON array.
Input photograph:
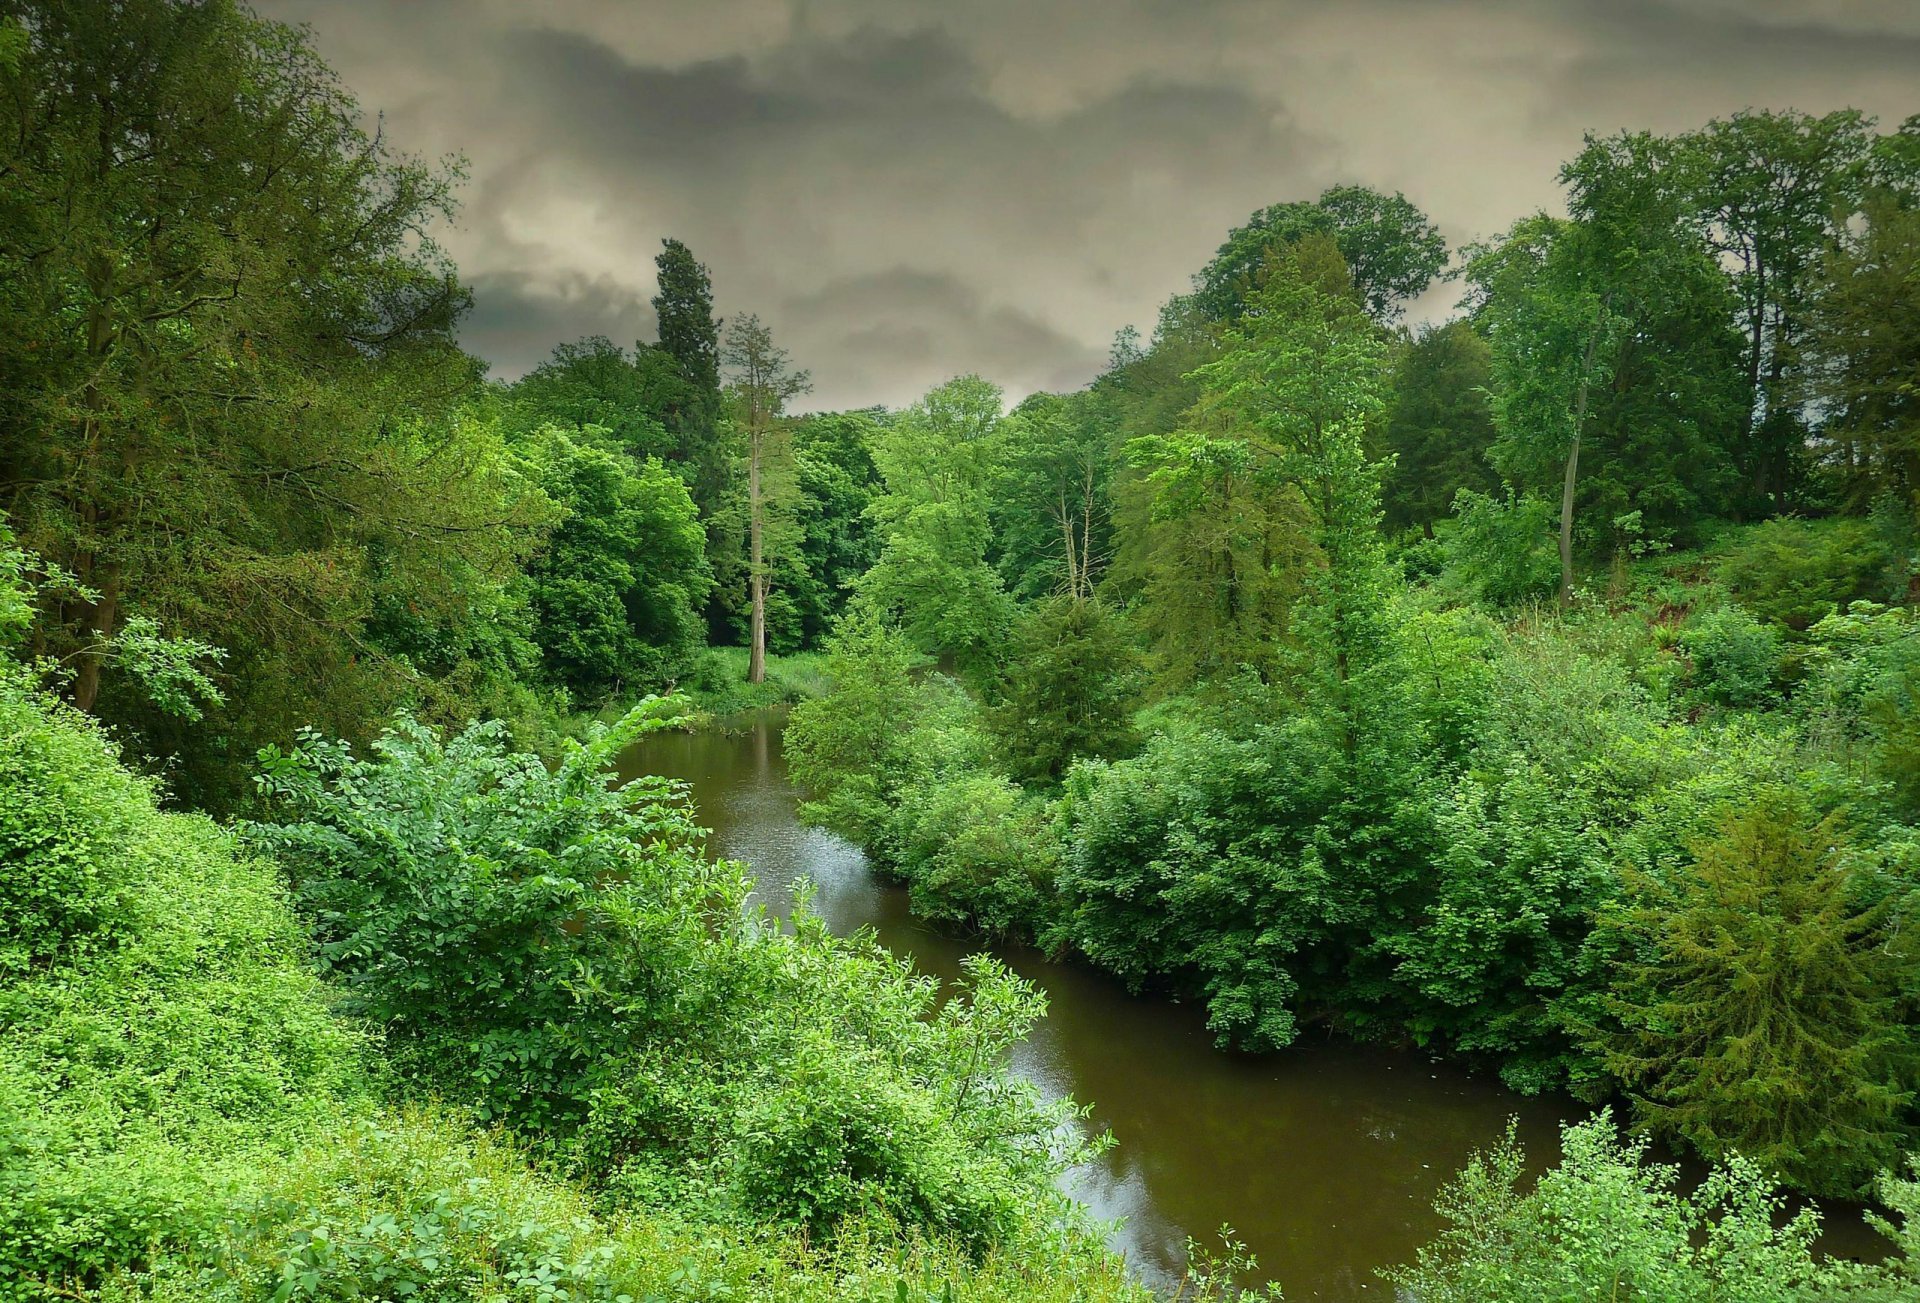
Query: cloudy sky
[{"x": 909, "y": 189}]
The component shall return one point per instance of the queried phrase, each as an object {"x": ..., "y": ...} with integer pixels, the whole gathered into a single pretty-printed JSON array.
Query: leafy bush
[
  {"x": 419, "y": 1206},
  {"x": 1503, "y": 551},
  {"x": 559, "y": 952},
  {"x": 978, "y": 851},
  {"x": 145, "y": 1069},
  {"x": 457, "y": 888},
  {"x": 1735, "y": 658},
  {"x": 1606, "y": 1224},
  {"x": 66, "y": 807}
]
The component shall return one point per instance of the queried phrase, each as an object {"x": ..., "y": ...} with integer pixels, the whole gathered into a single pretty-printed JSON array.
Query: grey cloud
[
  {"x": 908, "y": 189},
  {"x": 903, "y": 325},
  {"x": 516, "y": 322}
]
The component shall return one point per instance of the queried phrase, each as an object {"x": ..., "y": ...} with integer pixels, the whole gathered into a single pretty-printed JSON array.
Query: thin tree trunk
[
  {"x": 1573, "y": 465},
  {"x": 756, "y": 572}
]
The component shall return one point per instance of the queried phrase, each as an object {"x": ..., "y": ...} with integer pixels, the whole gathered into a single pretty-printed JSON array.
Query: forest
[{"x": 1538, "y": 687}]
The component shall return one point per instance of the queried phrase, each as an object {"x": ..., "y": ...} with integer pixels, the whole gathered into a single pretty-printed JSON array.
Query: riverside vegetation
[{"x": 1541, "y": 687}]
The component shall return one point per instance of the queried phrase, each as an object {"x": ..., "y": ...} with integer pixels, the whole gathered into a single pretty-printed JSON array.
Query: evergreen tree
[{"x": 1762, "y": 1012}]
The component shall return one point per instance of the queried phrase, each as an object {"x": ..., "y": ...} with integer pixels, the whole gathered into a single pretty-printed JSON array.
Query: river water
[{"x": 1324, "y": 1158}]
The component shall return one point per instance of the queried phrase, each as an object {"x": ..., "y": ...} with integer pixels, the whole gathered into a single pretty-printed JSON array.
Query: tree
[
  {"x": 1391, "y": 250},
  {"x": 1550, "y": 328},
  {"x": 231, "y": 365},
  {"x": 595, "y": 382},
  {"x": 1774, "y": 188},
  {"x": 1440, "y": 426},
  {"x": 763, "y": 381},
  {"x": 1860, "y": 353},
  {"x": 837, "y": 483},
  {"x": 1305, "y": 368},
  {"x": 689, "y": 333},
  {"x": 1068, "y": 688},
  {"x": 1613, "y": 353},
  {"x": 618, "y": 589},
  {"x": 1052, "y": 520},
  {"x": 1762, "y": 1015},
  {"x": 940, "y": 460}
]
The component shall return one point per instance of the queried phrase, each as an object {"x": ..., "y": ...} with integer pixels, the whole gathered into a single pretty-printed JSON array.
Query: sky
[{"x": 908, "y": 190}]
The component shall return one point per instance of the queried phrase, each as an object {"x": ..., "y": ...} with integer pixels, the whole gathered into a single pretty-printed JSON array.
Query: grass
[{"x": 718, "y": 684}]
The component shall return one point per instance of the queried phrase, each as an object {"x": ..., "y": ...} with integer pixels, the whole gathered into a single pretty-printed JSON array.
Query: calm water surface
[{"x": 1325, "y": 1158}]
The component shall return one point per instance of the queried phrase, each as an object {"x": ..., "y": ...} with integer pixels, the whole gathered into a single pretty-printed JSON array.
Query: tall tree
[
  {"x": 1551, "y": 327},
  {"x": 1391, "y": 250},
  {"x": 689, "y": 332},
  {"x": 230, "y": 352},
  {"x": 1775, "y": 188},
  {"x": 1052, "y": 521},
  {"x": 1861, "y": 354},
  {"x": 1611, "y": 337},
  {"x": 1440, "y": 426},
  {"x": 1306, "y": 368},
  {"x": 941, "y": 459},
  {"x": 763, "y": 382}
]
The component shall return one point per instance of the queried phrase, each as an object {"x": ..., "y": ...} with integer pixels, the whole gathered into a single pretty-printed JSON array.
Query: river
[{"x": 1324, "y": 1158}]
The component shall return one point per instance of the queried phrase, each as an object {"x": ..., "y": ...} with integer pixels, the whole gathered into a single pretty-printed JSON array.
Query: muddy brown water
[{"x": 1323, "y": 1158}]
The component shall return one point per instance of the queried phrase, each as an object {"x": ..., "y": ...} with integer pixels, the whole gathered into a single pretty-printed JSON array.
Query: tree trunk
[
  {"x": 1566, "y": 513},
  {"x": 98, "y": 626},
  {"x": 1573, "y": 463},
  {"x": 756, "y": 572}
]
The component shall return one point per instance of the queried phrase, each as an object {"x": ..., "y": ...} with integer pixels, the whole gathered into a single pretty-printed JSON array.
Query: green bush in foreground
[
  {"x": 184, "y": 1115},
  {"x": 1607, "y": 1226},
  {"x": 173, "y": 1045}
]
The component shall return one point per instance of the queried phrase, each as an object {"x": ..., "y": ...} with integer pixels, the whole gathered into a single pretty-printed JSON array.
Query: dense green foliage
[
  {"x": 190, "y": 1112},
  {"x": 1604, "y": 1224},
  {"x": 1223, "y": 737},
  {"x": 1541, "y": 688}
]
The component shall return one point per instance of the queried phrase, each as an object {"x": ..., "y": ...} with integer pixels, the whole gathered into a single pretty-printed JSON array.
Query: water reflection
[{"x": 1324, "y": 1159}]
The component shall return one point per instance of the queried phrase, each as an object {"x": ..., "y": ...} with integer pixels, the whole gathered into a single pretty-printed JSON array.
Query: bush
[
  {"x": 1503, "y": 551},
  {"x": 457, "y": 887},
  {"x": 979, "y": 852},
  {"x": 66, "y": 808},
  {"x": 1606, "y": 1224},
  {"x": 1736, "y": 659},
  {"x": 141, "y": 1081}
]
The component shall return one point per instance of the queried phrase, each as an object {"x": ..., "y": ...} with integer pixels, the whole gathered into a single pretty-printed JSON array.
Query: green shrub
[
  {"x": 141, "y": 1082},
  {"x": 1736, "y": 659},
  {"x": 66, "y": 807},
  {"x": 418, "y": 1206},
  {"x": 979, "y": 852},
  {"x": 1604, "y": 1224},
  {"x": 1502, "y": 551},
  {"x": 457, "y": 887}
]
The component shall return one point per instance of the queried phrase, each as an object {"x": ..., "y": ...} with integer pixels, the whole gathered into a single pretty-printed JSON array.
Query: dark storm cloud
[
  {"x": 909, "y": 189},
  {"x": 516, "y": 320}
]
